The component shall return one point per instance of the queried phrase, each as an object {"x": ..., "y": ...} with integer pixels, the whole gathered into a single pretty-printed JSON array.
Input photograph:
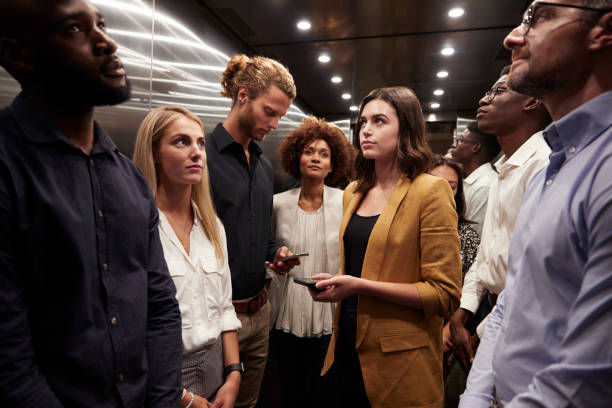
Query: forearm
[
  {"x": 231, "y": 355},
  {"x": 405, "y": 294}
]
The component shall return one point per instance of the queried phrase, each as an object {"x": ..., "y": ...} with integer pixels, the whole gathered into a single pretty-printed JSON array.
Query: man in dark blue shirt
[{"x": 88, "y": 315}]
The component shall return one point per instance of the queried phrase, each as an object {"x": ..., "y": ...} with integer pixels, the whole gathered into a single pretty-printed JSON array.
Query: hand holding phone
[
  {"x": 311, "y": 283},
  {"x": 290, "y": 257}
]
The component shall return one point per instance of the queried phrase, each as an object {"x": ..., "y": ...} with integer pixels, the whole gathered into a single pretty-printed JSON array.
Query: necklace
[{"x": 183, "y": 233}]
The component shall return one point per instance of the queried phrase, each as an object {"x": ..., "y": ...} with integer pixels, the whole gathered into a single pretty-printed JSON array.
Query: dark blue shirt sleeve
[
  {"x": 164, "y": 342},
  {"x": 21, "y": 382}
]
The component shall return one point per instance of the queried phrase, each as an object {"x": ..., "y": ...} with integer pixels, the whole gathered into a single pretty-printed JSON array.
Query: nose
[
  {"x": 274, "y": 122},
  {"x": 365, "y": 129},
  {"x": 515, "y": 38},
  {"x": 485, "y": 100},
  {"x": 104, "y": 44}
]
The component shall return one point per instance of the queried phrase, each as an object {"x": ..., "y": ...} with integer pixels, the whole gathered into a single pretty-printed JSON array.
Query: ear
[
  {"x": 532, "y": 104},
  {"x": 243, "y": 95},
  {"x": 601, "y": 34},
  {"x": 14, "y": 57}
]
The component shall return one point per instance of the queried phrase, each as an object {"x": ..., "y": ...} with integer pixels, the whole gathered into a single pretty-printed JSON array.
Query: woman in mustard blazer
[{"x": 400, "y": 268}]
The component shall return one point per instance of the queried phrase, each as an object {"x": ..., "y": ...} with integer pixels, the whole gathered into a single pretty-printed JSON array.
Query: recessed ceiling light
[
  {"x": 435, "y": 105},
  {"x": 346, "y": 96},
  {"x": 456, "y": 12},
  {"x": 304, "y": 25},
  {"x": 336, "y": 79},
  {"x": 442, "y": 74},
  {"x": 439, "y": 92},
  {"x": 324, "y": 58},
  {"x": 447, "y": 51},
  {"x": 354, "y": 108}
]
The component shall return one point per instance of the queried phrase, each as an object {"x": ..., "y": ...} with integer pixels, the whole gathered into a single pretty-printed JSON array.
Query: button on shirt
[
  {"x": 203, "y": 285},
  {"x": 243, "y": 200},
  {"x": 476, "y": 189},
  {"x": 88, "y": 315},
  {"x": 505, "y": 196},
  {"x": 549, "y": 339}
]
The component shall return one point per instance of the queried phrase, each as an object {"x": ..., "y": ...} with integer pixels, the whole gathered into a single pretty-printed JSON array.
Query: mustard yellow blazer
[{"x": 414, "y": 241}]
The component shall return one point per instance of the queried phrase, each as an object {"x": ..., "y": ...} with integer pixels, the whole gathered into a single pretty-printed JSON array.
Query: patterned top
[{"x": 469, "y": 246}]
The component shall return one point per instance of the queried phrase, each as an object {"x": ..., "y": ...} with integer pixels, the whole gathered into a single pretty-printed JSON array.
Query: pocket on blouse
[{"x": 213, "y": 287}]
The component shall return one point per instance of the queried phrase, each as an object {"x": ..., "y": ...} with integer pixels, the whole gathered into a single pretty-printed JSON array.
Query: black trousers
[{"x": 300, "y": 360}]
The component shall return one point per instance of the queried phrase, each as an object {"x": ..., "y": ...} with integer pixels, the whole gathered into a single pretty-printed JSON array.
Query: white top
[
  {"x": 476, "y": 191},
  {"x": 203, "y": 287},
  {"x": 317, "y": 233},
  {"x": 298, "y": 314},
  {"x": 505, "y": 196}
]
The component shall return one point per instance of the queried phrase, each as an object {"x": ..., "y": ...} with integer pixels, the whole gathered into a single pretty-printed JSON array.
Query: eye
[
  {"x": 102, "y": 25},
  {"x": 324, "y": 154},
  {"x": 202, "y": 143},
  {"x": 308, "y": 152},
  {"x": 379, "y": 121},
  {"x": 362, "y": 123},
  {"x": 74, "y": 28}
]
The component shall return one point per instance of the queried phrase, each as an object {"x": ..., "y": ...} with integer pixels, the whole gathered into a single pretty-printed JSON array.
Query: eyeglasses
[
  {"x": 531, "y": 15},
  {"x": 493, "y": 92},
  {"x": 458, "y": 140}
]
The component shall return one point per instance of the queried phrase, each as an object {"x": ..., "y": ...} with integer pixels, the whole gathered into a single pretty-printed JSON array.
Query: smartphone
[
  {"x": 311, "y": 283},
  {"x": 290, "y": 257}
]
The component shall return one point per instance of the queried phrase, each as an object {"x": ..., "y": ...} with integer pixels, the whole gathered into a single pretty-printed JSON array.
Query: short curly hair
[{"x": 311, "y": 129}]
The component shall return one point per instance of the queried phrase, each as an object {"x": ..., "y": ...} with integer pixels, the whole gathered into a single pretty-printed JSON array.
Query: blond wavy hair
[
  {"x": 257, "y": 74},
  {"x": 147, "y": 142}
]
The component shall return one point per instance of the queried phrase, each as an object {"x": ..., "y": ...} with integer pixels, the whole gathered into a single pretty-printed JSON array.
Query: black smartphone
[
  {"x": 311, "y": 283},
  {"x": 290, "y": 257}
]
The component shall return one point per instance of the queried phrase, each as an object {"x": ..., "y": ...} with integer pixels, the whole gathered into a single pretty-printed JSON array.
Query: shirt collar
[
  {"x": 476, "y": 174},
  {"x": 223, "y": 139},
  {"x": 522, "y": 154},
  {"x": 581, "y": 126},
  {"x": 38, "y": 128}
]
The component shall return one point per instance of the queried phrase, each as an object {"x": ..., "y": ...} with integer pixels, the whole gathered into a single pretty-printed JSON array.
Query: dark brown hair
[
  {"x": 311, "y": 129},
  {"x": 440, "y": 160},
  {"x": 413, "y": 152}
]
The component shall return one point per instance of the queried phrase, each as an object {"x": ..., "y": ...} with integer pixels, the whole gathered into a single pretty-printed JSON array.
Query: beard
[
  {"x": 75, "y": 88},
  {"x": 539, "y": 81},
  {"x": 246, "y": 122}
]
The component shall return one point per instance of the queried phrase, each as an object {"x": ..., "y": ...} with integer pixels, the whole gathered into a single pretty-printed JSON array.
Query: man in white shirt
[
  {"x": 474, "y": 150},
  {"x": 517, "y": 121}
]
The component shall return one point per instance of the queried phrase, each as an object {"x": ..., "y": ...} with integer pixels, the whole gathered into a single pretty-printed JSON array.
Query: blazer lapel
[{"x": 347, "y": 213}]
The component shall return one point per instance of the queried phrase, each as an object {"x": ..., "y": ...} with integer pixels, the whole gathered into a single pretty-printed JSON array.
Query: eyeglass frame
[
  {"x": 459, "y": 139},
  {"x": 527, "y": 19},
  {"x": 493, "y": 92}
]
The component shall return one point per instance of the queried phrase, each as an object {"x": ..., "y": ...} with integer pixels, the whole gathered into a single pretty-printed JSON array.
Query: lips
[
  {"x": 113, "y": 68},
  {"x": 480, "y": 112},
  {"x": 194, "y": 167},
  {"x": 314, "y": 167}
]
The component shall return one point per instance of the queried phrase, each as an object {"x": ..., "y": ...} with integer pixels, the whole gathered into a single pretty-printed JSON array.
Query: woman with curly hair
[
  {"x": 307, "y": 219},
  {"x": 400, "y": 267}
]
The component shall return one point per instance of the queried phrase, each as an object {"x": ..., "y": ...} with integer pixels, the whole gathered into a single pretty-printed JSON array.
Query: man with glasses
[
  {"x": 517, "y": 121},
  {"x": 547, "y": 344},
  {"x": 474, "y": 150}
]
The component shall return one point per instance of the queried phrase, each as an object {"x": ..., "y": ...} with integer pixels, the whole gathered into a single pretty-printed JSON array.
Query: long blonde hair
[{"x": 149, "y": 135}]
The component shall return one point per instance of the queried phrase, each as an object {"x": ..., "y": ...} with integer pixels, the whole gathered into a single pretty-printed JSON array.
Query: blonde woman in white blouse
[
  {"x": 170, "y": 152},
  {"x": 307, "y": 219}
]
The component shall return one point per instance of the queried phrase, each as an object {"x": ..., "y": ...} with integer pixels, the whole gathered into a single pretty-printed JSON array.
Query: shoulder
[
  {"x": 428, "y": 184},
  {"x": 333, "y": 193},
  {"x": 286, "y": 195}
]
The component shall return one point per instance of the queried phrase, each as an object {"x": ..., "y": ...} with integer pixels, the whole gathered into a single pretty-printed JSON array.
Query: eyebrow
[{"x": 76, "y": 16}]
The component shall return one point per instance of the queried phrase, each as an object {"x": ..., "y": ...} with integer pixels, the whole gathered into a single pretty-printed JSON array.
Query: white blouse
[
  {"x": 203, "y": 286},
  {"x": 298, "y": 313}
]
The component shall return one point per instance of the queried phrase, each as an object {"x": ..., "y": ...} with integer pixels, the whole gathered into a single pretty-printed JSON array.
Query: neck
[
  {"x": 174, "y": 198},
  {"x": 387, "y": 174},
  {"x": 573, "y": 95},
  {"x": 232, "y": 126},
  {"x": 511, "y": 141},
  {"x": 76, "y": 124},
  {"x": 312, "y": 189},
  {"x": 471, "y": 166}
]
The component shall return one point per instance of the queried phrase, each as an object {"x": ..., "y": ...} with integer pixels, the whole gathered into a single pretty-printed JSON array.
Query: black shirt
[
  {"x": 356, "y": 239},
  {"x": 88, "y": 315},
  {"x": 243, "y": 200}
]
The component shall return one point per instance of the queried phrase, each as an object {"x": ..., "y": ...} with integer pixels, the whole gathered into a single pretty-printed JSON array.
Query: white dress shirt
[
  {"x": 505, "y": 196},
  {"x": 476, "y": 190},
  {"x": 203, "y": 285}
]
